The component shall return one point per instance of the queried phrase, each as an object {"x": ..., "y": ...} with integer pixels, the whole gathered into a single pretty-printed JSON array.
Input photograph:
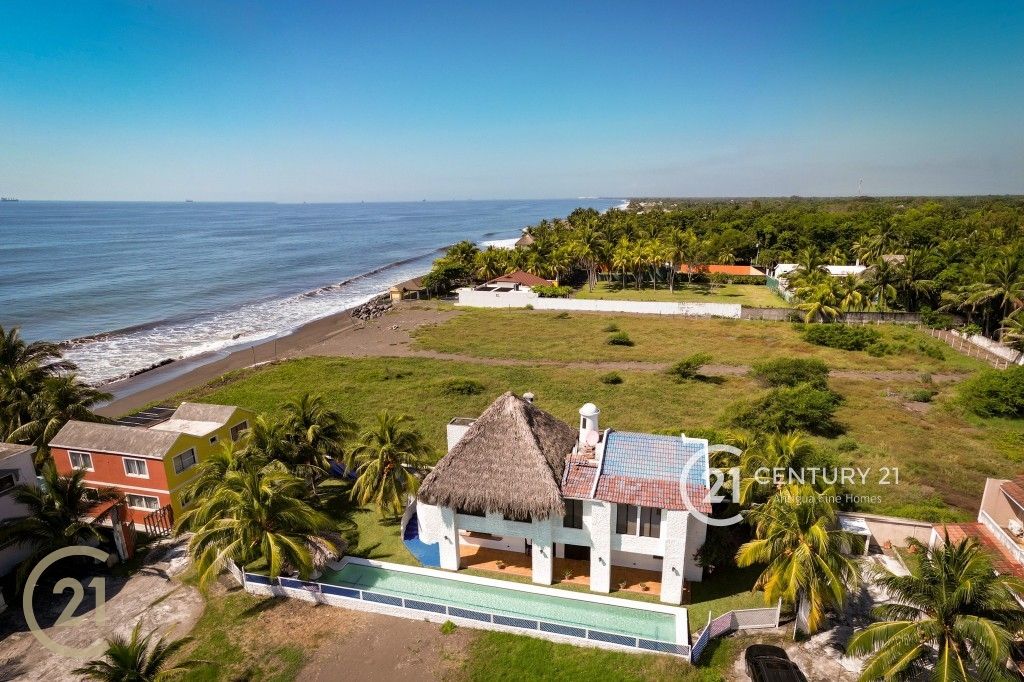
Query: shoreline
[{"x": 158, "y": 383}]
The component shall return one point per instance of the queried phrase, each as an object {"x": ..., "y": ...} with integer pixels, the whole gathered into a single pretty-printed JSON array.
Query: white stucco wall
[
  {"x": 520, "y": 299},
  {"x": 9, "y": 509}
]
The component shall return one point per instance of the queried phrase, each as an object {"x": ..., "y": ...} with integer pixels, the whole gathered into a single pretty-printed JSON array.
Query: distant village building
[
  {"x": 728, "y": 270},
  {"x": 410, "y": 288},
  {"x": 150, "y": 464},
  {"x": 514, "y": 290},
  {"x": 782, "y": 269},
  {"x": 524, "y": 241},
  {"x": 517, "y": 480}
]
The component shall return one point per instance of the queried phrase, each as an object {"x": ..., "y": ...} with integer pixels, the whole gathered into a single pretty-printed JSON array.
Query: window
[
  {"x": 7, "y": 482},
  {"x": 92, "y": 494},
  {"x": 518, "y": 518},
  {"x": 625, "y": 519},
  {"x": 143, "y": 502},
  {"x": 213, "y": 440},
  {"x": 467, "y": 512},
  {"x": 650, "y": 522},
  {"x": 185, "y": 460},
  {"x": 238, "y": 429},
  {"x": 136, "y": 467},
  {"x": 80, "y": 460},
  {"x": 573, "y": 514}
]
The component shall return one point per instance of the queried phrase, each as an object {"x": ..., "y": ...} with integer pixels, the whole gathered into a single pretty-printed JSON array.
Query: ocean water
[{"x": 132, "y": 284}]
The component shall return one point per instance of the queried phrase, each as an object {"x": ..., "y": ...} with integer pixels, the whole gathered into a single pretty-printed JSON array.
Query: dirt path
[{"x": 149, "y": 596}]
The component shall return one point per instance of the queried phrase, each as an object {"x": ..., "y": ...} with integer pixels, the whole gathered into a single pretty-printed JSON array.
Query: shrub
[
  {"x": 462, "y": 387},
  {"x": 611, "y": 378},
  {"x": 937, "y": 320},
  {"x": 620, "y": 339},
  {"x": 551, "y": 291},
  {"x": 689, "y": 367},
  {"x": 562, "y": 316},
  {"x": 846, "y": 445},
  {"x": 995, "y": 393},
  {"x": 921, "y": 395},
  {"x": 971, "y": 329},
  {"x": 611, "y": 328},
  {"x": 528, "y": 306},
  {"x": 448, "y": 627},
  {"x": 790, "y": 372},
  {"x": 788, "y": 408},
  {"x": 841, "y": 336}
]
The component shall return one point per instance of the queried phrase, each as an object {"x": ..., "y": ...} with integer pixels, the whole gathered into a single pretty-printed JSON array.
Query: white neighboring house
[
  {"x": 518, "y": 479},
  {"x": 782, "y": 269},
  {"x": 15, "y": 468},
  {"x": 513, "y": 290}
]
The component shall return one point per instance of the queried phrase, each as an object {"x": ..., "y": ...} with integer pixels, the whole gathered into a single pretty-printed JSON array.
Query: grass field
[
  {"x": 754, "y": 295},
  {"x": 537, "y": 335}
]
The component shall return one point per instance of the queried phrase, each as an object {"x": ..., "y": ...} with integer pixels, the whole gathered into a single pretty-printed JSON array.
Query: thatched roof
[{"x": 510, "y": 461}]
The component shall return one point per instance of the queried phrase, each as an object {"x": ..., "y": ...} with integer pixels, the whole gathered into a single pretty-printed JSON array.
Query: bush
[
  {"x": 551, "y": 291},
  {"x": 921, "y": 395},
  {"x": 448, "y": 627},
  {"x": 611, "y": 378},
  {"x": 611, "y": 328},
  {"x": 462, "y": 387},
  {"x": 995, "y": 393},
  {"x": 971, "y": 329},
  {"x": 788, "y": 408},
  {"x": 841, "y": 336},
  {"x": 620, "y": 339},
  {"x": 790, "y": 372},
  {"x": 528, "y": 306},
  {"x": 562, "y": 316},
  {"x": 936, "y": 320},
  {"x": 689, "y": 368}
]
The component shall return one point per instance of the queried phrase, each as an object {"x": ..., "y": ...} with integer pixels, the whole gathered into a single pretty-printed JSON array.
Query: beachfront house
[
  {"x": 512, "y": 290},
  {"x": 410, "y": 288},
  {"x": 781, "y": 270},
  {"x": 518, "y": 481},
  {"x": 15, "y": 469},
  {"x": 999, "y": 528},
  {"x": 724, "y": 270},
  {"x": 152, "y": 463}
]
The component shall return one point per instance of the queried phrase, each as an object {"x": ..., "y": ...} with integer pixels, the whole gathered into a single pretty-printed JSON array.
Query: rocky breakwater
[{"x": 374, "y": 308}]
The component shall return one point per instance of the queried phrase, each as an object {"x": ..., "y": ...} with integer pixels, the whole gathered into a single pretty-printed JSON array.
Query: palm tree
[
  {"x": 914, "y": 276},
  {"x": 269, "y": 440},
  {"x": 14, "y": 352},
  {"x": 1003, "y": 285},
  {"x": 1012, "y": 331},
  {"x": 881, "y": 284},
  {"x": 821, "y": 300},
  {"x": 590, "y": 246},
  {"x": 853, "y": 297},
  {"x": 796, "y": 535},
  {"x": 382, "y": 460},
  {"x": 768, "y": 453},
  {"x": 138, "y": 659},
  {"x": 57, "y": 512},
  {"x": 258, "y": 517},
  {"x": 62, "y": 398},
  {"x": 490, "y": 263},
  {"x": 620, "y": 258},
  {"x": 211, "y": 470},
  {"x": 677, "y": 245},
  {"x": 315, "y": 431},
  {"x": 953, "y": 616}
]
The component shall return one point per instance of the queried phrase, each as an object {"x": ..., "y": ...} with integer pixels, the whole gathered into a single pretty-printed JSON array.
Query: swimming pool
[{"x": 508, "y": 602}]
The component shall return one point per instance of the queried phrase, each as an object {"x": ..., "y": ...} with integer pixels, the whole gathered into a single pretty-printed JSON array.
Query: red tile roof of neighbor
[
  {"x": 723, "y": 270},
  {"x": 1002, "y": 561},
  {"x": 1014, "y": 489},
  {"x": 522, "y": 278}
]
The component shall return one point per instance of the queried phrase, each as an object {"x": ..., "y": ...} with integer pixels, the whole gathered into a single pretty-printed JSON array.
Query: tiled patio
[{"x": 573, "y": 571}]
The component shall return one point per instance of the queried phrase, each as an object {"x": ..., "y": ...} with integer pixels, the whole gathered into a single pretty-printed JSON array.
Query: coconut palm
[
  {"x": 951, "y": 619},
  {"x": 383, "y": 460},
  {"x": 15, "y": 352},
  {"x": 490, "y": 263},
  {"x": 1012, "y": 331},
  {"x": 914, "y": 277},
  {"x": 852, "y": 288},
  {"x": 820, "y": 300},
  {"x": 210, "y": 471},
  {"x": 138, "y": 659},
  {"x": 61, "y": 399},
  {"x": 677, "y": 243},
  {"x": 881, "y": 284},
  {"x": 1003, "y": 285},
  {"x": 590, "y": 246},
  {"x": 258, "y": 517},
  {"x": 57, "y": 513},
  {"x": 315, "y": 431},
  {"x": 269, "y": 439},
  {"x": 763, "y": 456},
  {"x": 806, "y": 555}
]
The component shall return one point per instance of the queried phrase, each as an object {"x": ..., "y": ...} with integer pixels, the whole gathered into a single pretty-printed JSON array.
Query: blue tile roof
[{"x": 654, "y": 457}]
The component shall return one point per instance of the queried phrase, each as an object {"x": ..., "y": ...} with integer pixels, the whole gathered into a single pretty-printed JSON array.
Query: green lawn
[
  {"x": 541, "y": 335},
  {"x": 754, "y": 295}
]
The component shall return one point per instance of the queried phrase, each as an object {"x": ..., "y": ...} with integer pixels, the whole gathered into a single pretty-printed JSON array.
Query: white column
[
  {"x": 449, "y": 542},
  {"x": 674, "y": 530},
  {"x": 696, "y": 532},
  {"x": 600, "y": 522},
  {"x": 543, "y": 553}
]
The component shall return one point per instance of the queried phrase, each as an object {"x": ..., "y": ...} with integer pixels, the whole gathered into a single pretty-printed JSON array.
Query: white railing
[
  {"x": 1003, "y": 536},
  {"x": 740, "y": 619}
]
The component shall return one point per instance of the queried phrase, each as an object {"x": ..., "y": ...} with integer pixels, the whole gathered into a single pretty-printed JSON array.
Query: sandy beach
[{"x": 338, "y": 334}]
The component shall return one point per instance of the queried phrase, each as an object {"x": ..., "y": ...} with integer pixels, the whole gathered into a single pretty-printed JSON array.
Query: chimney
[
  {"x": 588, "y": 421},
  {"x": 528, "y": 397}
]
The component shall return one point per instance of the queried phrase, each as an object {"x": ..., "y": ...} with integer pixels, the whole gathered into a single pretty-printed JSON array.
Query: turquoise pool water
[{"x": 513, "y": 603}]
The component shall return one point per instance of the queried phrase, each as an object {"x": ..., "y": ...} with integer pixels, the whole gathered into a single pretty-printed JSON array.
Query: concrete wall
[
  {"x": 992, "y": 346},
  {"x": 520, "y": 299},
  {"x": 996, "y": 505},
  {"x": 893, "y": 529}
]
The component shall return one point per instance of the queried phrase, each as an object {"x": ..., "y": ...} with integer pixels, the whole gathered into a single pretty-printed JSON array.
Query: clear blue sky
[{"x": 333, "y": 101}]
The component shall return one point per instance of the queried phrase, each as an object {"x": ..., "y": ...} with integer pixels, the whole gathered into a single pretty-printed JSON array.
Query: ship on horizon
[{"x": 8, "y": 199}]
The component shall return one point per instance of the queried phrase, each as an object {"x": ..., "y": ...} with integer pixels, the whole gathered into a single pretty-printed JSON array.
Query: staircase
[{"x": 427, "y": 554}]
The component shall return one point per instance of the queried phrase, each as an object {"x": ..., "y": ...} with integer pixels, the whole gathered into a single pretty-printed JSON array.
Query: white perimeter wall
[{"x": 520, "y": 299}]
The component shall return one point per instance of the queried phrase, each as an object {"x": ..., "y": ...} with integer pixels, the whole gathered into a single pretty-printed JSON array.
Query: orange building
[
  {"x": 150, "y": 465},
  {"x": 729, "y": 270}
]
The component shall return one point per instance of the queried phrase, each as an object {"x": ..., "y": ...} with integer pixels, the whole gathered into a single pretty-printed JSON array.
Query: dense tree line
[{"x": 963, "y": 255}]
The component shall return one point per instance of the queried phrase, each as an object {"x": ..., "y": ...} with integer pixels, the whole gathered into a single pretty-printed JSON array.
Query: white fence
[
  {"x": 992, "y": 346},
  {"x": 439, "y": 612},
  {"x": 741, "y": 619},
  {"x": 521, "y": 299}
]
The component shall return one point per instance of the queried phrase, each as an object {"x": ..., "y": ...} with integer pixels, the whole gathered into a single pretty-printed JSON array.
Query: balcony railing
[{"x": 1004, "y": 537}]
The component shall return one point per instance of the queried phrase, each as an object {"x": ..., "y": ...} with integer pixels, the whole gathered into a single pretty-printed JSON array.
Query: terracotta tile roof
[
  {"x": 1014, "y": 489},
  {"x": 723, "y": 270},
  {"x": 1002, "y": 560},
  {"x": 522, "y": 278},
  {"x": 642, "y": 469}
]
